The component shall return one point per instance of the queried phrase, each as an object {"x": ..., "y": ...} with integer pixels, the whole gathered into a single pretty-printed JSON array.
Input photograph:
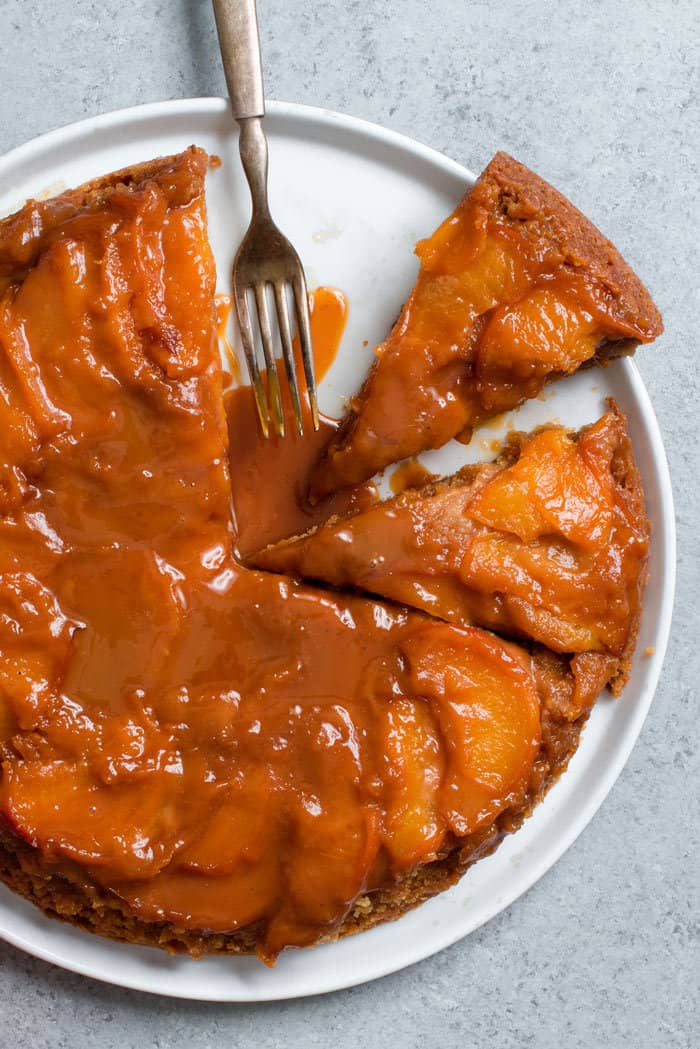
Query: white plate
[{"x": 354, "y": 198}]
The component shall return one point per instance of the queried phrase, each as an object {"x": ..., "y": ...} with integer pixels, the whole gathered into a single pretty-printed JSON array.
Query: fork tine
[
  {"x": 246, "y": 331},
  {"x": 301, "y": 301},
  {"x": 268, "y": 351},
  {"x": 286, "y": 336}
]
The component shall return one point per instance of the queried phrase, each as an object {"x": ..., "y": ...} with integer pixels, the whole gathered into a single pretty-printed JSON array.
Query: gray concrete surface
[{"x": 603, "y": 98}]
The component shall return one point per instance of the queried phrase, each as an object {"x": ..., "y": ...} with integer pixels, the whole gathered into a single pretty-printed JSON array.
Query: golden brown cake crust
[{"x": 547, "y": 215}]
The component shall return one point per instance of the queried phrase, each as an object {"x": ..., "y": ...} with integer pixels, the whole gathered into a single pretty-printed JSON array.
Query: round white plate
[{"x": 354, "y": 199}]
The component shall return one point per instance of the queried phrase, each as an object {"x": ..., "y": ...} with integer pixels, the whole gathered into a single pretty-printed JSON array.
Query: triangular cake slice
[
  {"x": 548, "y": 543},
  {"x": 516, "y": 289}
]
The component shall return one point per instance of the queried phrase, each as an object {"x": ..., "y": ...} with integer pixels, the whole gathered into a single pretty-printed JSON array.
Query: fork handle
[{"x": 239, "y": 40}]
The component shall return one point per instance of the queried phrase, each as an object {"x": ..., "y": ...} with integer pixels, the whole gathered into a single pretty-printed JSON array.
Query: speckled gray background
[{"x": 602, "y": 98}]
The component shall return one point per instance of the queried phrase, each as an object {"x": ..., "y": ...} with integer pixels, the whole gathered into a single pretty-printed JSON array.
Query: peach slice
[
  {"x": 130, "y": 829},
  {"x": 550, "y": 490},
  {"x": 486, "y": 705},
  {"x": 333, "y": 820},
  {"x": 410, "y": 742},
  {"x": 549, "y": 330},
  {"x": 239, "y": 829}
]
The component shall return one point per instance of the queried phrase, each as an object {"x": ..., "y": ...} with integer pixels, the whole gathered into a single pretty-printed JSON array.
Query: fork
[{"x": 265, "y": 256}]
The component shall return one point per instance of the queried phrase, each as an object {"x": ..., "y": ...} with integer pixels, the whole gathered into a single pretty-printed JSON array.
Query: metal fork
[{"x": 265, "y": 256}]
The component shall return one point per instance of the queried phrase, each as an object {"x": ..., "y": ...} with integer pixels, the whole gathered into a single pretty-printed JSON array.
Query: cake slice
[
  {"x": 549, "y": 543},
  {"x": 516, "y": 289}
]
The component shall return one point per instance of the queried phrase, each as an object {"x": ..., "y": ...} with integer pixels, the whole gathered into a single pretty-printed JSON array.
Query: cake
[
  {"x": 516, "y": 289},
  {"x": 195, "y": 753}
]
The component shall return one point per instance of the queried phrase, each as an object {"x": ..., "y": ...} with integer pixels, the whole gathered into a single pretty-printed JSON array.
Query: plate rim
[
  {"x": 216, "y": 105},
  {"x": 297, "y": 113}
]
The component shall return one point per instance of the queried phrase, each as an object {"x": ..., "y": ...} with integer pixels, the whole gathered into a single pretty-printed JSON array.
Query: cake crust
[{"x": 551, "y": 218}]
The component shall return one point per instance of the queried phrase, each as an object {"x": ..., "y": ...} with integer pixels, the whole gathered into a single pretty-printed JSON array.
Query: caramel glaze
[
  {"x": 232, "y": 373},
  {"x": 409, "y": 474},
  {"x": 550, "y": 544},
  {"x": 214, "y": 745},
  {"x": 515, "y": 289},
  {"x": 328, "y": 310},
  {"x": 270, "y": 478}
]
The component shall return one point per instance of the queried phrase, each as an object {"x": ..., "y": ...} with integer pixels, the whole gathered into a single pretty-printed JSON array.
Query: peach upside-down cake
[{"x": 213, "y": 754}]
